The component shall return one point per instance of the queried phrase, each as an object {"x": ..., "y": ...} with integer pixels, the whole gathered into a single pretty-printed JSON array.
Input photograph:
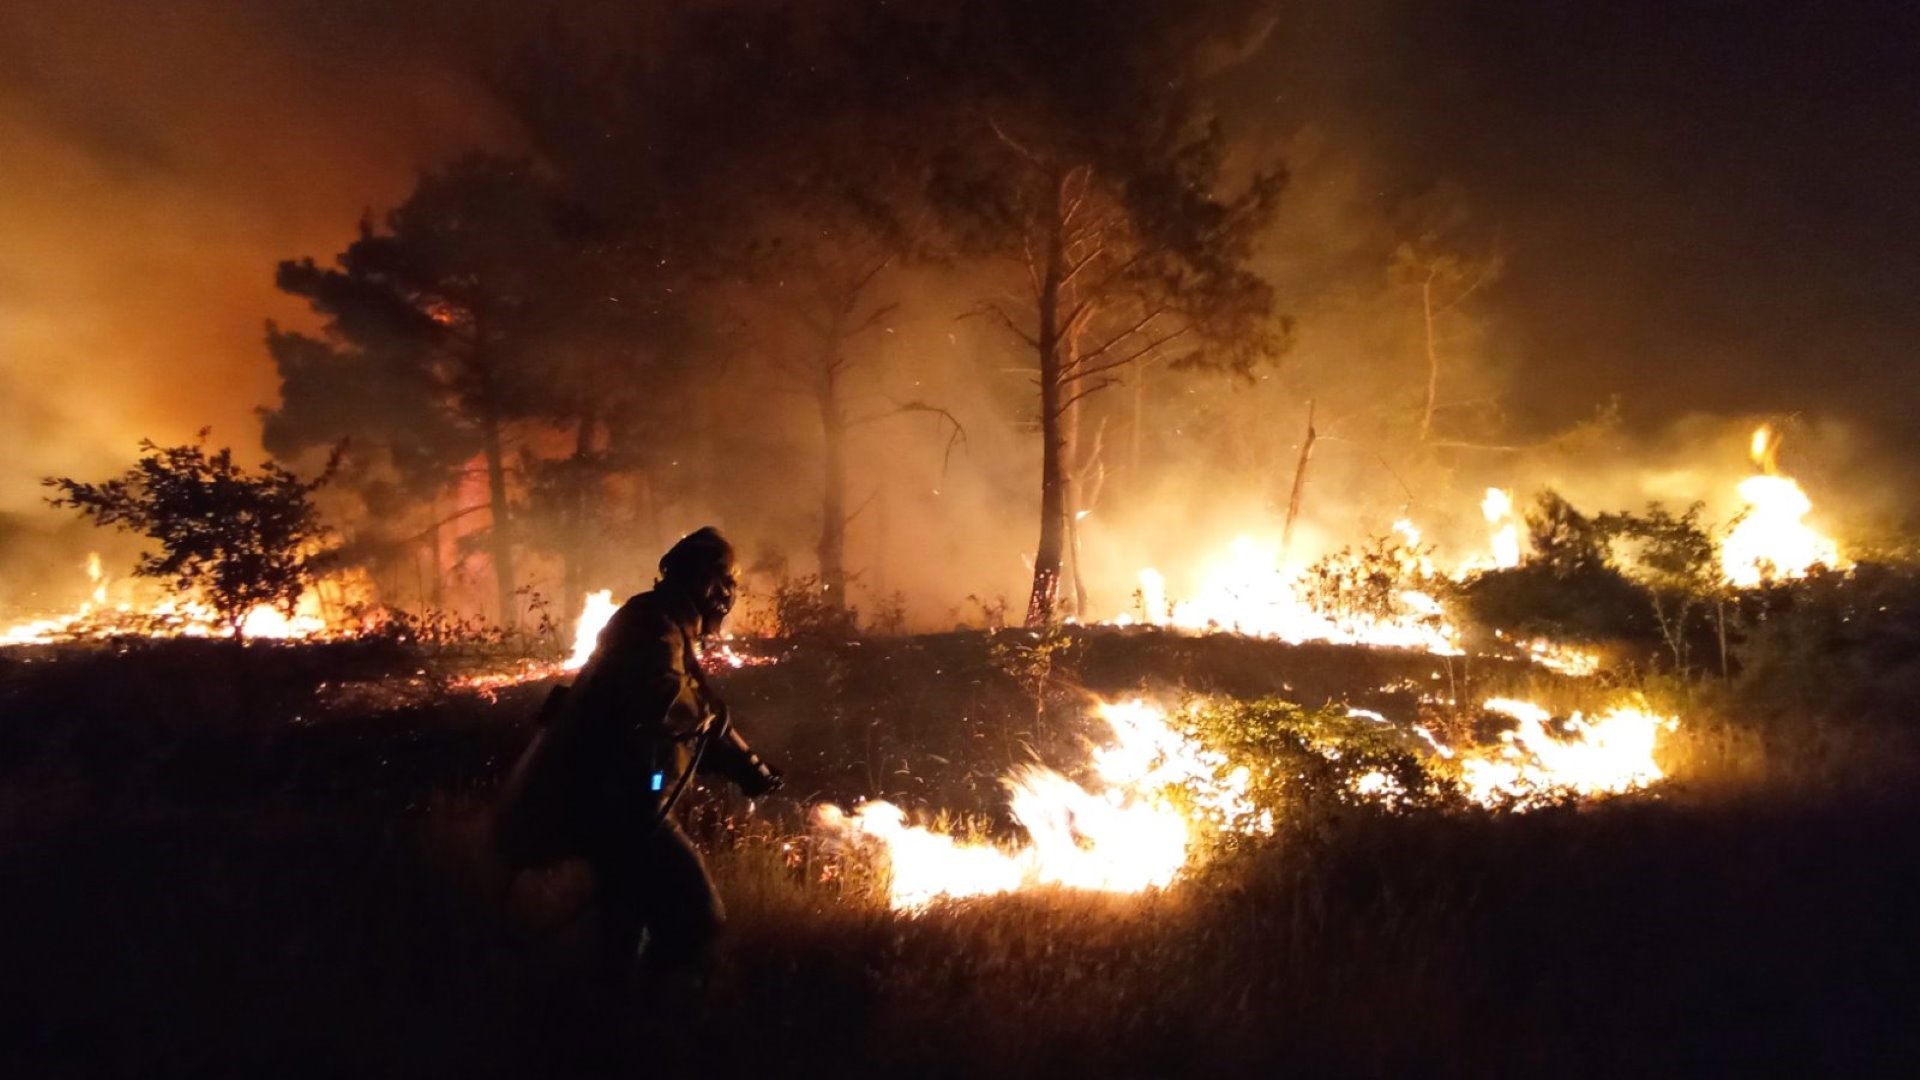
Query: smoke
[
  {"x": 1707, "y": 224},
  {"x": 1697, "y": 212},
  {"x": 157, "y": 160}
]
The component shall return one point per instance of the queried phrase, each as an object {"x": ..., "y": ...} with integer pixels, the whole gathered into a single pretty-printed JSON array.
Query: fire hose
[
  {"x": 719, "y": 727},
  {"x": 686, "y": 777}
]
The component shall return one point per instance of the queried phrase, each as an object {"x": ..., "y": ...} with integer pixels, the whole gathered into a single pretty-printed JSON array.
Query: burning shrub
[
  {"x": 1304, "y": 763},
  {"x": 1568, "y": 591},
  {"x": 1373, "y": 583}
]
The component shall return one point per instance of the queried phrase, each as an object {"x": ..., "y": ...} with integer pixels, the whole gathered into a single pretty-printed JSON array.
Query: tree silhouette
[
  {"x": 240, "y": 539},
  {"x": 430, "y": 345},
  {"x": 1083, "y": 155}
]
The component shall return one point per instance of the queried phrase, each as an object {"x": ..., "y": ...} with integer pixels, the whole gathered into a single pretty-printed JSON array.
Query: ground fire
[
  {"x": 161, "y": 616},
  {"x": 1152, "y": 791},
  {"x": 1155, "y": 792}
]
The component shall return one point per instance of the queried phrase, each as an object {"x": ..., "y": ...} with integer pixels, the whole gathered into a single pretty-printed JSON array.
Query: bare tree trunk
[
  {"x": 500, "y": 536},
  {"x": 1089, "y": 476},
  {"x": 1298, "y": 493},
  {"x": 1042, "y": 605},
  {"x": 1720, "y": 621},
  {"x": 1433, "y": 358},
  {"x": 832, "y": 549},
  {"x": 883, "y": 537},
  {"x": 1071, "y": 511},
  {"x": 436, "y": 598},
  {"x": 419, "y": 578},
  {"x": 1139, "y": 421},
  {"x": 574, "y": 546},
  {"x": 647, "y": 513}
]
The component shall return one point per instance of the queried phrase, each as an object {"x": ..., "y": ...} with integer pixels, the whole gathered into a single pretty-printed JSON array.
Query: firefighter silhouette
[{"x": 618, "y": 750}]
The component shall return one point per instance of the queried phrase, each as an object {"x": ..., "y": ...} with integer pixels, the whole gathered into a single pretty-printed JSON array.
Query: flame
[
  {"x": 1497, "y": 508},
  {"x": 586, "y": 629},
  {"x": 98, "y": 617},
  {"x": 1610, "y": 754},
  {"x": 1556, "y": 656},
  {"x": 1245, "y": 592},
  {"x": 1153, "y": 596},
  {"x": 1124, "y": 833},
  {"x": 594, "y": 616},
  {"x": 1379, "y": 787},
  {"x": 1771, "y": 540},
  {"x": 267, "y": 621},
  {"x": 1157, "y": 790},
  {"x": 1763, "y": 447}
]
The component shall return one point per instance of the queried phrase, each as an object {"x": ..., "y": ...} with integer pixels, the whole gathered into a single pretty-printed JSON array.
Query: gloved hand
[{"x": 764, "y": 779}]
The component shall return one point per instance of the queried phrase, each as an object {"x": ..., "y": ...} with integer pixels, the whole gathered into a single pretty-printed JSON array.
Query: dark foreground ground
[{"x": 267, "y": 866}]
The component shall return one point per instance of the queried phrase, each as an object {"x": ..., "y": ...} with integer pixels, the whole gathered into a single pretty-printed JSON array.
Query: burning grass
[{"x": 211, "y": 869}]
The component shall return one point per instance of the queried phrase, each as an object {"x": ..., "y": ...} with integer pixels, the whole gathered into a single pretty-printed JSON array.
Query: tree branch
[
  {"x": 988, "y": 307},
  {"x": 1074, "y": 270},
  {"x": 873, "y": 318},
  {"x": 1486, "y": 272},
  {"x": 1098, "y": 386},
  {"x": 1145, "y": 321},
  {"x": 864, "y": 503},
  {"x": 1014, "y": 144},
  {"x": 1137, "y": 354},
  {"x": 448, "y": 520},
  {"x": 955, "y": 437}
]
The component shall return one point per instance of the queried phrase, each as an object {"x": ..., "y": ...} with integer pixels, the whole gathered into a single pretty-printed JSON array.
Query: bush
[
  {"x": 803, "y": 608},
  {"x": 1368, "y": 583},
  {"x": 1832, "y": 658},
  {"x": 239, "y": 539},
  {"x": 1304, "y": 764}
]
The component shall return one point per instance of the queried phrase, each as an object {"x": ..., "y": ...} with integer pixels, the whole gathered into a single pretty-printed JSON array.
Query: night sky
[{"x": 1704, "y": 207}]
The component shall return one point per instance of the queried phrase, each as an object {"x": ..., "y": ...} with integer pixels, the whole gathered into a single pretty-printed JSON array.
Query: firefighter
[{"x": 643, "y": 718}]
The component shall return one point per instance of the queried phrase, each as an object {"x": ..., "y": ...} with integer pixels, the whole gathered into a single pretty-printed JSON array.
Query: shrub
[
  {"x": 240, "y": 539},
  {"x": 1306, "y": 763}
]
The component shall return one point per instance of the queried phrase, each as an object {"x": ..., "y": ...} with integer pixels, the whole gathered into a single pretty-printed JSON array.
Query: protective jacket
[
  {"x": 616, "y": 747},
  {"x": 638, "y": 708}
]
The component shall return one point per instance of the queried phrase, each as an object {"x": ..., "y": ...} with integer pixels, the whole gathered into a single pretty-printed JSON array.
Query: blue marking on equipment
[{"x": 659, "y": 781}]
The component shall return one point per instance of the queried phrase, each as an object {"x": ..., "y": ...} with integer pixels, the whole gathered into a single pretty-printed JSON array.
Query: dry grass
[{"x": 198, "y": 885}]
